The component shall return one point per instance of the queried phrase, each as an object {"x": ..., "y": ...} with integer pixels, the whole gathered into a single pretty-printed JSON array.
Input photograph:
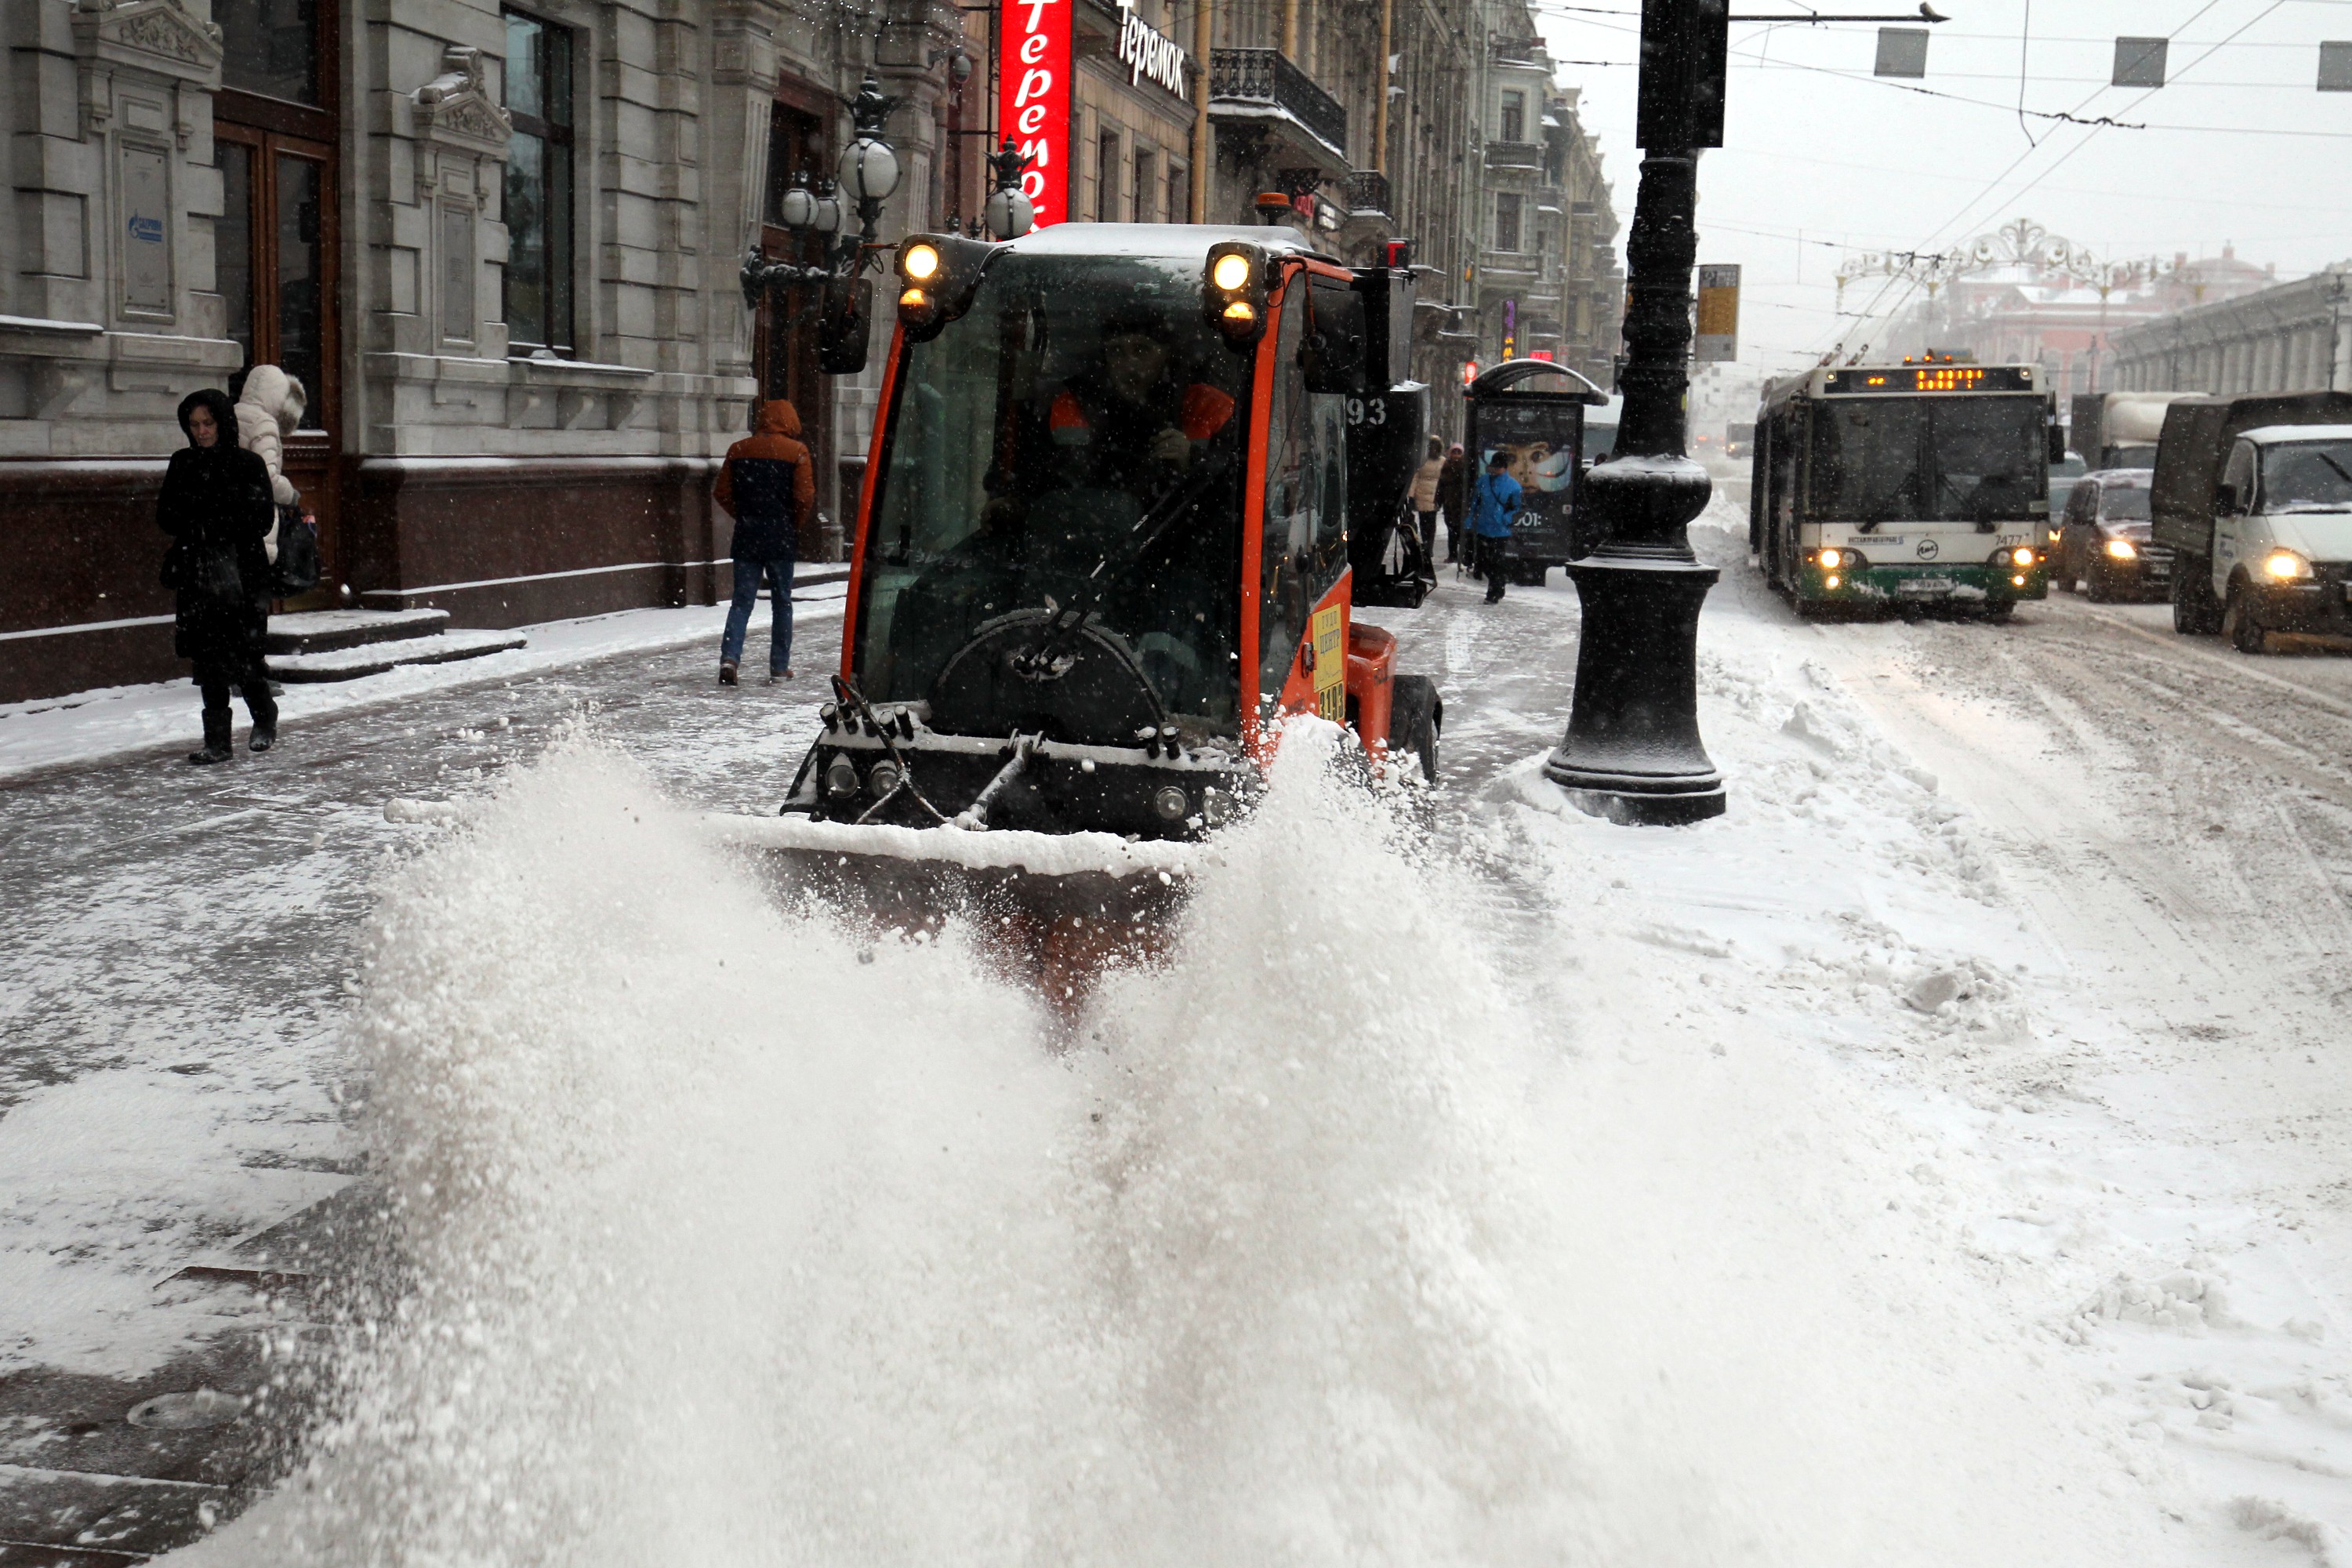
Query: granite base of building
[{"x": 495, "y": 542}]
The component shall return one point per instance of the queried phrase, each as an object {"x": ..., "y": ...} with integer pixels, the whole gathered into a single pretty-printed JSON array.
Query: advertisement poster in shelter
[{"x": 1033, "y": 100}]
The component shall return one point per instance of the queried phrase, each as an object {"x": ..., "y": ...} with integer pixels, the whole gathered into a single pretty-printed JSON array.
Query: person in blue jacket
[{"x": 1495, "y": 500}]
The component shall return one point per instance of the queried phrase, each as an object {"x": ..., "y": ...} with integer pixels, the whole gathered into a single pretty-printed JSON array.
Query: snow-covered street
[{"x": 1937, "y": 1159}]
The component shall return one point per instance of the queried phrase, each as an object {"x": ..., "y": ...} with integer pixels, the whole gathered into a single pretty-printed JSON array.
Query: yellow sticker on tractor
[{"x": 1331, "y": 663}]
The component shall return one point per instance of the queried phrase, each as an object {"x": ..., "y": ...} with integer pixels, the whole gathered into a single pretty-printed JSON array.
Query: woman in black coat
[{"x": 216, "y": 506}]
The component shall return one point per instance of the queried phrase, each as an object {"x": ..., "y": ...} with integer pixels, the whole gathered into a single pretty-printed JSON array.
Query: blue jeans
[{"x": 748, "y": 578}]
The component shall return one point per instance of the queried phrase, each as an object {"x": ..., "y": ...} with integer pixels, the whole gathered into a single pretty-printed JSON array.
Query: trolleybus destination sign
[
  {"x": 1033, "y": 100},
  {"x": 1932, "y": 378}
]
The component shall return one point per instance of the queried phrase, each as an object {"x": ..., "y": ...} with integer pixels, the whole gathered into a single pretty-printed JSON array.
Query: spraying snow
[{"x": 1384, "y": 1224}]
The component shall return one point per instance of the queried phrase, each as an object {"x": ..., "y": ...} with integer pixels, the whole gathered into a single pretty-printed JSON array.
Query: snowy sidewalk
[{"x": 123, "y": 721}]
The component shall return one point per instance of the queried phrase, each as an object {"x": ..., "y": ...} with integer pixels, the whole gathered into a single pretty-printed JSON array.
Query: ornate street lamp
[
  {"x": 1632, "y": 752},
  {"x": 868, "y": 175},
  {"x": 1009, "y": 214}
]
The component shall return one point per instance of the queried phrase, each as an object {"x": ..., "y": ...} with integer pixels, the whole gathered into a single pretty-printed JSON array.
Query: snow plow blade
[{"x": 1059, "y": 908}]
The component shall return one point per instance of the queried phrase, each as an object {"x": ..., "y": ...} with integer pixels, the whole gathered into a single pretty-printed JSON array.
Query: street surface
[{"x": 1938, "y": 1158}]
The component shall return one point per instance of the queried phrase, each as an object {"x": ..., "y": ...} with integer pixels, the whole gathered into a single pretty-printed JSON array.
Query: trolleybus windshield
[{"x": 1931, "y": 459}]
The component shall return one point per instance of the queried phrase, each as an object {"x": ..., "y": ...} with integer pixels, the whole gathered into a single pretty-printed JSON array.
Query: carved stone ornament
[
  {"x": 455, "y": 107},
  {"x": 161, "y": 37}
]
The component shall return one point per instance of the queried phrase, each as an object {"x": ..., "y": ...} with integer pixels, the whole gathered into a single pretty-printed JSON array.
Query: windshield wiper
[{"x": 1039, "y": 660}]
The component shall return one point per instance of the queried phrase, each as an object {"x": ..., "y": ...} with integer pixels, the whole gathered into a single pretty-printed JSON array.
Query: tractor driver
[{"x": 1131, "y": 411}]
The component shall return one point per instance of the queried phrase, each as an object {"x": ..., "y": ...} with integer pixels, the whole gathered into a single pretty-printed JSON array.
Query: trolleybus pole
[{"x": 1632, "y": 752}]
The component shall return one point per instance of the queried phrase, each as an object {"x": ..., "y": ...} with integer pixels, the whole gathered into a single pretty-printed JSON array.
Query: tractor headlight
[
  {"x": 882, "y": 778},
  {"x": 840, "y": 777},
  {"x": 1169, "y": 802},
  {"x": 2122, "y": 550},
  {"x": 921, "y": 262},
  {"x": 2285, "y": 567},
  {"x": 1233, "y": 292}
]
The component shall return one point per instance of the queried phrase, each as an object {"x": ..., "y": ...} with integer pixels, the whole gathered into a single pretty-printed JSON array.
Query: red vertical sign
[{"x": 1033, "y": 97}]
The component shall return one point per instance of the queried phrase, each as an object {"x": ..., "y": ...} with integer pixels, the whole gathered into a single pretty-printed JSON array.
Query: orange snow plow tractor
[{"x": 1128, "y": 484}]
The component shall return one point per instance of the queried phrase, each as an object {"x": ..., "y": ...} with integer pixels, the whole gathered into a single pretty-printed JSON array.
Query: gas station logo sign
[{"x": 1033, "y": 100}]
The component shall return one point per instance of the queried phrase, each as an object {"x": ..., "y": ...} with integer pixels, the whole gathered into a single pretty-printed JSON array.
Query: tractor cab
[{"x": 1127, "y": 483}]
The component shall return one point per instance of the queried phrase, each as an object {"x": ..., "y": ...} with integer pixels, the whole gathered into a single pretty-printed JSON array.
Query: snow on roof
[
  {"x": 1173, "y": 241},
  {"x": 2265, "y": 434}
]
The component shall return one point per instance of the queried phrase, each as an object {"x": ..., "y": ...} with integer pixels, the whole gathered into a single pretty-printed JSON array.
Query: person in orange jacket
[{"x": 768, "y": 484}]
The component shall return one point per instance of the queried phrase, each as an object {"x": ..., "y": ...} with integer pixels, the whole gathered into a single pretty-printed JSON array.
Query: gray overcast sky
[{"x": 1814, "y": 145}]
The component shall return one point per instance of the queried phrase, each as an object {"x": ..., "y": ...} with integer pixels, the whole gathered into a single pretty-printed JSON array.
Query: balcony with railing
[
  {"x": 1265, "y": 88},
  {"x": 1367, "y": 193},
  {"x": 1515, "y": 154}
]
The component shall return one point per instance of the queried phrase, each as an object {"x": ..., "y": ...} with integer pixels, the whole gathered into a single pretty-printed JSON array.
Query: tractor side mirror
[
  {"x": 845, "y": 326},
  {"x": 1331, "y": 352}
]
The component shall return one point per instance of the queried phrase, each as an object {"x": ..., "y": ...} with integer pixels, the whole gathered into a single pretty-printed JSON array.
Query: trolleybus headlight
[
  {"x": 1831, "y": 559},
  {"x": 1830, "y": 581},
  {"x": 2022, "y": 556},
  {"x": 2121, "y": 549},
  {"x": 1169, "y": 801},
  {"x": 2285, "y": 567},
  {"x": 2018, "y": 581},
  {"x": 840, "y": 777},
  {"x": 882, "y": 778},
  {"x": 921, "y": 262}
]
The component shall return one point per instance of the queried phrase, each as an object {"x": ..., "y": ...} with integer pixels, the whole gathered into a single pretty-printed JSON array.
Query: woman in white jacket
[{"x": 268, "y": 410}]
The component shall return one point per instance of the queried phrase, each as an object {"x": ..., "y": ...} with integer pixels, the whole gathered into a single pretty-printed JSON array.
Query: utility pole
[{"x": 1632, "y": 752}]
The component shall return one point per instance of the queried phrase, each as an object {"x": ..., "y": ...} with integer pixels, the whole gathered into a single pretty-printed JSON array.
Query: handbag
[
  {"x": 175, "y": 571},
  {"x": 297, "y": 569}
]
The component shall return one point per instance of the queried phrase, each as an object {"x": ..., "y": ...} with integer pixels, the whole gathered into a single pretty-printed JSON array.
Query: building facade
[
  {"x": 500, "y": 244},
  {"x": 2296, "y": 337},
  {"x": 2023, "y": 295}
]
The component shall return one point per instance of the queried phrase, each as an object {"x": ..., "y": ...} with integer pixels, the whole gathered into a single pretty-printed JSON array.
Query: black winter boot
[
  {"x": 265, "y": 717},
  {"x": 216, "y": 748}
]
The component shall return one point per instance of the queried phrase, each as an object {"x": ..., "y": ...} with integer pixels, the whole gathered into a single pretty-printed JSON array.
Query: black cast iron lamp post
[
  {"x": 1632, "y": 752},
  {"x": 867, "y": 172}
]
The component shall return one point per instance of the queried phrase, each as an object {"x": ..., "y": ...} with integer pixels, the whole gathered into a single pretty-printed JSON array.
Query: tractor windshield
[{"x": 1076, "y": 438}]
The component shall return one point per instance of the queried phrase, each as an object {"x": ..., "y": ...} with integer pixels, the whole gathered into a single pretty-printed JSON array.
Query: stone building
[
  {"x": 2022, "y": 295},
  {"x": 2296, "y": 337},
  {"x": 498, "y": 244},
  {"x": 1549, "y": 282}
]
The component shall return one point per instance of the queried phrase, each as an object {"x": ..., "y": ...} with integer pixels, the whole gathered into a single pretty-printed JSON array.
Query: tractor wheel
[{"x": 1415, "y": 716}]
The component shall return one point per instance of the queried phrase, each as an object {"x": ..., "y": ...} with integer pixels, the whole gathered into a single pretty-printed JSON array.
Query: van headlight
[
  {"x": 2121, "y": 549},
  {"x": 2285, "y": 566}
]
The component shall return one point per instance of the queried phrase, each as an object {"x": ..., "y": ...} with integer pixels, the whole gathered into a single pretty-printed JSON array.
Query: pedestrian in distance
[
  {"x": 1452, "y": 496},
  {"x": 215, "y": 504},
  {"x": 768, "y": 485},
  {"x": 1498, "y": 500},
  {"x": 1423, "y": 498}
]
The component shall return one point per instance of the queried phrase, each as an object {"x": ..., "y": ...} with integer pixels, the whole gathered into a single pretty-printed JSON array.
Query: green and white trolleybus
[{"x": 1902, "y": 487}]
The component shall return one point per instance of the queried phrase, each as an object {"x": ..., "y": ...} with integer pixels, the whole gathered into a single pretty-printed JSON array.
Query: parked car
[{"x": 2103, "y": 548}]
